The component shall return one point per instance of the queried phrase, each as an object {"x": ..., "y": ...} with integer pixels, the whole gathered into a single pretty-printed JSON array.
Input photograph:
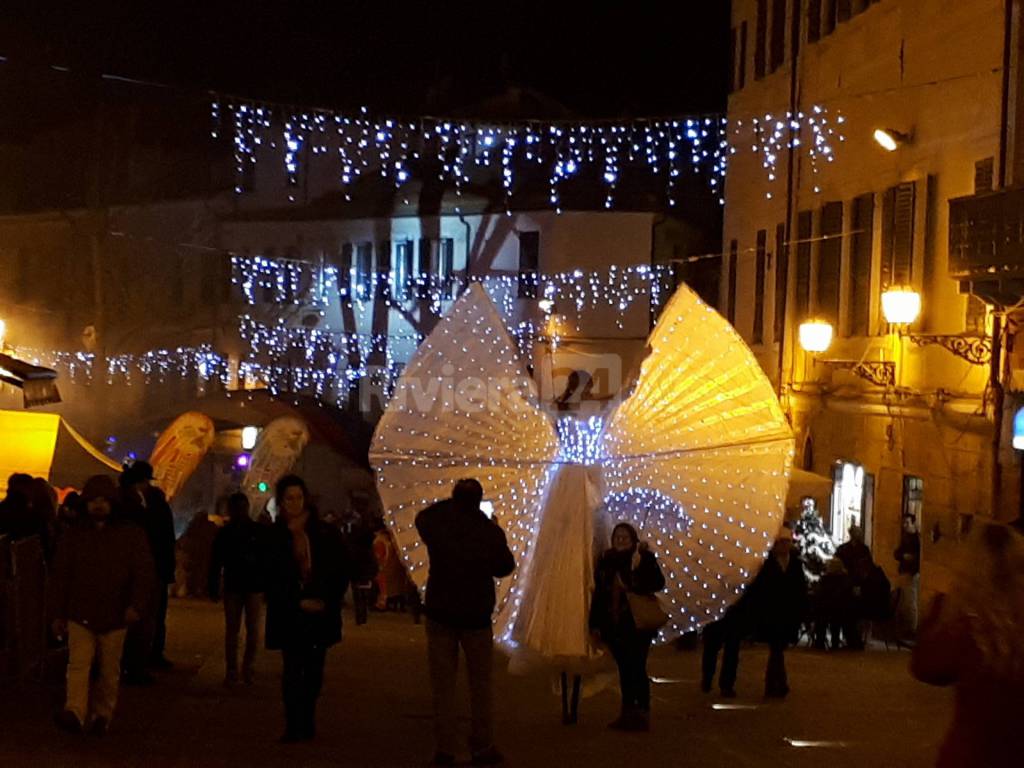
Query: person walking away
[
  {"x": 856, "y": 557},
  {"x": 359, "y": 542},
  {"x": 725, "y": 636},
  {"x": 101, "y": 582},
  {"x": 908, "y": 557},
  {"x": 779, "y": 600},
  {"x": 971, "y": 639},
  {"x": 197, "y": 543},
  {"x": 628, "y": 567},
  {"x": 147, "y": 507},
  {"x": 309, "y": 571},
  {"x": 467, "y": 552},
  {"x": 239, "y": 555}
]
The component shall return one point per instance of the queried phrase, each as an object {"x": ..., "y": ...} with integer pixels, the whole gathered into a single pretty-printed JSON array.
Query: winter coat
[
  {"x": 99, "y": 573},
  {"x": 908, "y": 553},
  {"x": 467, "y": 552},
  {"x": 288, "y": 626},
  {"x": 240, "y": 552},
  {"x": 152, "y": 513},
  {"x": 856, "y": 558},
  {"x": 613, "y": 577},
  {"x": 777, "y": 600}
]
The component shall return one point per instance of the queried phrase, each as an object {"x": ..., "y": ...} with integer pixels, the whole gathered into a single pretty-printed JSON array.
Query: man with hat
[
  {"x": 147, "y": 507},
  {"x": 102, "y": 579}
]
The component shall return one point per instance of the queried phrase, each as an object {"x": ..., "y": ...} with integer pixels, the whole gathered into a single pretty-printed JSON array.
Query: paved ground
[{"x": 854, "y": 710}]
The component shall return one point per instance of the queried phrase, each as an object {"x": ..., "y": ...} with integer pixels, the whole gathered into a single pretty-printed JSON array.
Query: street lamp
[
  {"x": 816, "y": 335},
  {"x": 901, "y": 305},
  {"x": 249, "y": 435},
  {"x": 890, "y": 140}
]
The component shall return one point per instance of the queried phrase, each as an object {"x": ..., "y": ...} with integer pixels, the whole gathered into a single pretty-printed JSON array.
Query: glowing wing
[
  {"x": 180, "y": 449},
  {"x": 698, "y": 457},
  {"x": 463, "y": 407}
]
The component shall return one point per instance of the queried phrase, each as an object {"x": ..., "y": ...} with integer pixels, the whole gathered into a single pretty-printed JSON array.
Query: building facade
[{"x": 856, "y": 123}]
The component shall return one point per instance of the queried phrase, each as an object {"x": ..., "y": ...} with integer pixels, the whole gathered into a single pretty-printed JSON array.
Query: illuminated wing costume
[{"x": 697, "y": 458}]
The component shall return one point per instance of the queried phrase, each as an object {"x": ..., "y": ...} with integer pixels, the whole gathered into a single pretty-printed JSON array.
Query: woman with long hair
[
  {"x": 309, "y": 573},
  {"x": 629, "y": 567},
  {"x": 973, "y": 639}
]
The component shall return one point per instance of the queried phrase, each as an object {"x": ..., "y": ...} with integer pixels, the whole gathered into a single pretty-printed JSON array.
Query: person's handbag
[{"x": 648, "y": 615}]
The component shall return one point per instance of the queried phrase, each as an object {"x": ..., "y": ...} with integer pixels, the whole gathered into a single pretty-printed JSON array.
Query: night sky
[{"x": 613, "y": 59}]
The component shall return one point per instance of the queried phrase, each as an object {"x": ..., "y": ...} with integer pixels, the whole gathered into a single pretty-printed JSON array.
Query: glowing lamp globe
[
  {"x": 901, "y": 306},
  {"x": 886, "y": 140},
  {"x": 816, "y": 335}
]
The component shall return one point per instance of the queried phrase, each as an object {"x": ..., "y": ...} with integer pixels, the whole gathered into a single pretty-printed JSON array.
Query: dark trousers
[
  {"x": 160, "y": 623},
  {"x": 718, "y": 636},
  {"x": 630, "y": 654},
  {"x": 443, "y": 643},
  {"x": 775, "y": 681},
  {"x": 235, "y": 605},
  {"x": 300, "y": 686}
]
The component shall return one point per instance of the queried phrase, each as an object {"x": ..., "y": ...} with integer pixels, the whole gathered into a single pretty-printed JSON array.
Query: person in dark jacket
[
  {"x": 778, "y": 600},
  {"x": 908, "y": 556},
  {"x": 724, "y": 635},
  {"x": 628, "y": 566},
  {"x": 309, "y": 570},
  {"x": 147, "y": 507},
  {"x": 19, "y": 518},
  {"x": 101, "y": 583},
  {"x": 467, "y": 552},
  {"x": 239, "y": 553},
  {"x": 856, "y": 557}
]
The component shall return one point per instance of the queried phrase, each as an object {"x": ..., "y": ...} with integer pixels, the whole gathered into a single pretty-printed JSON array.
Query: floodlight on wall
[
  {"x": 890, "y": 140},
  {"x": 901, "y": 305},
  {"x": 816, "y": 335},
  {"x": 249, "y": 435}
]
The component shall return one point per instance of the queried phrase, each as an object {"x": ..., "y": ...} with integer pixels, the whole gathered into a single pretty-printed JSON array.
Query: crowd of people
[{"x": 111, "y": 553}]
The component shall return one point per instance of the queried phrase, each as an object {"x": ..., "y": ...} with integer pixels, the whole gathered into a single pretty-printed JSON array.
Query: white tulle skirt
[{"x": 552, "y": 627}]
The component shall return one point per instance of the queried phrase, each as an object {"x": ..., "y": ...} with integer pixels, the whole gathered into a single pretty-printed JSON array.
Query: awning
[
  {"x": 38, "y": 384},
  {"x": 44, "y": 445},
  {"x": 803, "y": 484}
]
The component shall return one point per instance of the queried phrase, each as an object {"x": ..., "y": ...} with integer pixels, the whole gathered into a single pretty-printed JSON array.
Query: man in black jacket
[
  {"x": 467, "y": 553},
  {"x": 240, "y": 553},
  {"x": 146, "y": 506}
]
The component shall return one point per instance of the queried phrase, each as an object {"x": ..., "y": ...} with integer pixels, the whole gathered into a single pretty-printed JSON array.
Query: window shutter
[
  {"x": 898, "y": 235},
  {"x": 813, "y": 21},
  {"x": 781, "y": 281},
  {"x": 860, "y": 272},
  {"x": 984, "y": 174},
  {"x": 761, "y": 41},
  {"x": 778, "y": 49},
  {"x": 762, "y": 246},
  {"x": 844, "y": 11},
  {"x": 742, "y": 76},
  {"x": 731, "y": 297},
  {"x": 830, "y": 260}
]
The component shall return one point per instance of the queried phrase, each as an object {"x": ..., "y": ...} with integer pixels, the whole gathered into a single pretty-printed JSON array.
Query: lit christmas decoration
[
  {"x": 358, "y": 144},
  {"x": 698, "y": 456},
  {"x": 814, "y": 134}
]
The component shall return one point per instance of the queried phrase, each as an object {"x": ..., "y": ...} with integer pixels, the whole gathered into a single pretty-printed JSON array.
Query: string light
[{"x": 359, "y": 144}]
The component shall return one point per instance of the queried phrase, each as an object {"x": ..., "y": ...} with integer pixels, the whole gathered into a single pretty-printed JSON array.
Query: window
[
  {"x": 733, "y": 51},
  {"x": 741, "y": 77},
  {"x": 976, "y": 317},
  {"x": 828, "y": 17},
  {"x": 731, "y": 295},
  {"x": 778, "y": 49},
  {"x": 913, "y": 502},
  {"x": 852, "y": 501},
  {"x": 425, "y": 268},
  {"x": 383, "y": 269},
  {"x": 830, "y": 258},
  {"x": 860, "y": 268},
  {"x": 898, "y": 235},
  {"x": 363, "y": 271},
  {"x": 803, "y": 266},
  {"x": 446, "y": 265},
  {"x": 984, "y": 173},
  {"x": 813, "y": 21},
  {"x": 762, "y": 247},
  {"x": 781, "y": 281},
  {"x": 403, "y": 269},
  {"x": 529, "y": 264},
  {"x": 760, "y": 42}
]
